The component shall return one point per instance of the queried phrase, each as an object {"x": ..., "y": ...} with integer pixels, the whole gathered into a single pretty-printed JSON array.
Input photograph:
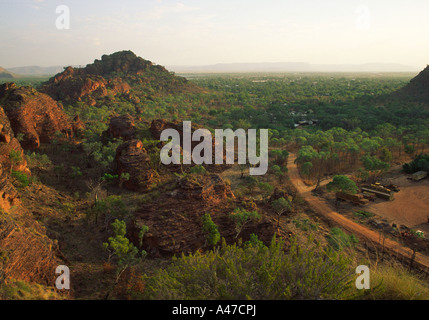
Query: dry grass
[{"x": 390, "y": 282}]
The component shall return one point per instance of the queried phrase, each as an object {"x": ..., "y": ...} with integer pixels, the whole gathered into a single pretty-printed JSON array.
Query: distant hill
[
  {"x": 417, "y": 90},
  {"x": 6, "y": 74},
  {"x": 294, "y": 67},
  {"x": 36, "y": 70}
]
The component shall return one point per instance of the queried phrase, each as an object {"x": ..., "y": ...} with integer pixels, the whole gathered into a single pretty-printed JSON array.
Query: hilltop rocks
[
  {"x": 133, "y": 159},
  {"x": 34, "y": 115},
  {"x": 113, "y": 75}
]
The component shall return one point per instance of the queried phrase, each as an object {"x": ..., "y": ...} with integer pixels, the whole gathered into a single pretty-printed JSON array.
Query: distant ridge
[
  {"x": 295, "y": 67},
  {"x": 6, "y": 74},
  {"x": 36, "y": 70}
]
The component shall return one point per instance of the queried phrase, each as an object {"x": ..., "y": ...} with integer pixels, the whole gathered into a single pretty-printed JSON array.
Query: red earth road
[{"x": 321, "y": 207}]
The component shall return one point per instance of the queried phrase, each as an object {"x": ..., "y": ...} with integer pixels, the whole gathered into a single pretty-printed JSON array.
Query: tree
[
  {"x": 124, "y": 251},
  {"x": 342, "y": 184},
  {"x": 251, "y": 182},
  {"x": 241, "y": 217},
  {"x": 375, "y": 166},
  {"x": 281, "y": 206},
  {"x": 279, "y": 172}
]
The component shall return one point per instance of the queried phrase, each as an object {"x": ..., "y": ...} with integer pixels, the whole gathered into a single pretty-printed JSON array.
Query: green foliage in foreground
[
  {"x": 21, "y": 290},
  {"x": 255, "y": 272}
]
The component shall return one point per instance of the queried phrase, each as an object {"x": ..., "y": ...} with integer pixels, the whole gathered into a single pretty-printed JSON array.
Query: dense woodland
[{"x": 354, "y": 124}]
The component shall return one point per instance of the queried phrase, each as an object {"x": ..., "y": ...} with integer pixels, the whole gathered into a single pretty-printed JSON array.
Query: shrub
[
  {"x": 210, "y": 229},
  {"x": 22, "y": 178},
  {"x": 236, "y": 272},
  {"x": 363, "y": 214},
  {"x": 199, "y": 169},
  {"x": 110, "y": 207},
  {"x": 338, "y": 239}
]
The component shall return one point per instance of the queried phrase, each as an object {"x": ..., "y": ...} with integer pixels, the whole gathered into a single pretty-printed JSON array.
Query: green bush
[
  {"x": 111, "y": 207},
  {"x": 236, "y": 272},
  {"x": 210, "y": 229},
  {"x": 338, "y": 239},
  {"x": 22, "y": 178},
  {"x": 363, "y": 214},
  {"x": 199, "y": 169}
]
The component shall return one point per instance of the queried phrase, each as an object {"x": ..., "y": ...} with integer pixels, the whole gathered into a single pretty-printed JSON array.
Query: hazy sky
[{"x": 198, "y": 32}]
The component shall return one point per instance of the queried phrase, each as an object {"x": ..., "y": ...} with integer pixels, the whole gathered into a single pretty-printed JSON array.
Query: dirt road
[{"x": 321, "y": 207}]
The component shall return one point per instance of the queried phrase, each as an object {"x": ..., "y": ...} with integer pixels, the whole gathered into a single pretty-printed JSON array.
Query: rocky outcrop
[
  {"x": 113, "y": 75},
  {"x": 174, "y": 217},
  {"x": 122, "y": 127},
  {"x": 213, "y": 189},
  {"x": 34, "y": 115},
  {"x": 12, "y": 158},
  {"x": 133, "y": 159}
]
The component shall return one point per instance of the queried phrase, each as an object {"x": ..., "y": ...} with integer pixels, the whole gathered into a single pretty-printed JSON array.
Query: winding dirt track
[{"x": 321, "y": 207}]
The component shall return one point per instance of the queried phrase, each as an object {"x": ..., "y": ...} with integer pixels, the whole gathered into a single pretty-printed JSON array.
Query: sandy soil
[{"x": 410, "y": 206}]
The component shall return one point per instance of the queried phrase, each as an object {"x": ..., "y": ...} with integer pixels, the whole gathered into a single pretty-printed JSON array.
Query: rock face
[
  {"x": 133, "y": 159},
  {"x": 31, "y": 255},
  {"x": 34, "y": 115},
  {"x": 9, "y": 145}
]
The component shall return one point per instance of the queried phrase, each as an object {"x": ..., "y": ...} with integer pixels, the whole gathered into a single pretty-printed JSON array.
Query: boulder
[
  {"x": 122, "y": 127},
  {"x": 133, "y": 159}
]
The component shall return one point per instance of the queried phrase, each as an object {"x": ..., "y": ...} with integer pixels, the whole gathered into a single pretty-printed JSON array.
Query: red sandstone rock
[{"x": 35, "y": 115}]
